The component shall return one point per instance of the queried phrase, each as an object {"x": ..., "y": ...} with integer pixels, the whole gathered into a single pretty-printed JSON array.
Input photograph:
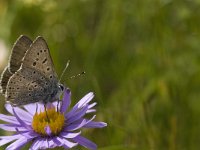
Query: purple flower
[{"x": 53, "y": 128}]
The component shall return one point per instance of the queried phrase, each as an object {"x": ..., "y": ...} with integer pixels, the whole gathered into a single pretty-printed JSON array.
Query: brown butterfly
[{"x": 29, "y": 76}]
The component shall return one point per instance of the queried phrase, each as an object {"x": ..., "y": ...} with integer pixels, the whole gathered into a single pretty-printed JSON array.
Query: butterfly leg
[
  {"x": 58, "y": 102},
  {"x": 45, "y": 107},
  {"x": 36, "y": 109}
]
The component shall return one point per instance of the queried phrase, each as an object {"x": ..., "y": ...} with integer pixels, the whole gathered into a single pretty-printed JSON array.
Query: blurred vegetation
[{"x": 141, "y": 57}]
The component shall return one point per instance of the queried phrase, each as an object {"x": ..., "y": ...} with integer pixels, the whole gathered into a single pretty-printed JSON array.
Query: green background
[{"x": 141, "y": 58}]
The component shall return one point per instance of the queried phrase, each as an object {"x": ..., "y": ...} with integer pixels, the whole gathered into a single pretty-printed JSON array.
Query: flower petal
[
  {"x": 94, "y": 124},
  {"x": 28, "y": 134},
  {"x": 31, "y": 108},
  {"x": 22, "y": 113},
  {"x": 66, "y": 101},
  {"x": 51, "y": 143},
  {"x": 12, "y": 127},
  {"x": 78, "y": 125},
  {"x": 57, "y": 141},
  {"x": 69, "y": 135},
  {"x": 92, "y": 105},
  {"x": 26, "y": 115},
  {"x": 48, "y": 130},
  {"x": 40, "y": 107},
  {"x": 57, "y": 104},
  {"x": 85, "y": 142},
  {"x": 65, "y": 143},
  {"x": 6, "y": 139},
  {"x": 45, "y": 144},
  {"x": 34, "y": 107},
  {"x": 73, "y": 127},
  {"x": 9, "y": 108},
  {"x": 9, "y": 119},
  {"x": 88, "y": 121},
  {"x": 85, "y": 100},
  {"x": 20, "y": 120},
  {"x": 18, "y": 143},
  {"x": 77, "y": 115},
  {"x": 50, "y": 105},
  {"x": 36, "y": 144},
  {"x": 42, "y": 143},
  {"x": 90, "y": 111}
]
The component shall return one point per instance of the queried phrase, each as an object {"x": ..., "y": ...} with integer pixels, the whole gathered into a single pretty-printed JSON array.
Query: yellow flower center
[{"x": 55, "y": 121}]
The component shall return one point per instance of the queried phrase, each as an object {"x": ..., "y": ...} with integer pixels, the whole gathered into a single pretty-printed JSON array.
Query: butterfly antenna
[
  {"x": 64, "y": 70},
  {"x": 82, "y": 73}
]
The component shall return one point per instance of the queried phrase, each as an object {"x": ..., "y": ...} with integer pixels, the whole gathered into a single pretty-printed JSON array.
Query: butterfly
[{"x": 29, "y": 76}]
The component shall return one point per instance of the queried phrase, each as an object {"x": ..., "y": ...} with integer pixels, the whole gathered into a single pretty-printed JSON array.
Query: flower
[{"x": 55, "y": 127}]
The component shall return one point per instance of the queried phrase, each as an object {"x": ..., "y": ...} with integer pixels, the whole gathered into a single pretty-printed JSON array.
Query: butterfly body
[{"x": 30, "y": 76}]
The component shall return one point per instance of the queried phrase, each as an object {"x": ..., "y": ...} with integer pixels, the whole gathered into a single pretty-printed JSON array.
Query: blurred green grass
[{"x": 141, "y": 59}]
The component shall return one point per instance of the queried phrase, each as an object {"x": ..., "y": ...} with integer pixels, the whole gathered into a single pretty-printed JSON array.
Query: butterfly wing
[
  {"x": 17, "y": 53},
  {"x": 36, "y": 80},
  {"x": 38, "y": 58},
  {"x": 4, "y": 79},
  {"x": 25, "y": 87}
]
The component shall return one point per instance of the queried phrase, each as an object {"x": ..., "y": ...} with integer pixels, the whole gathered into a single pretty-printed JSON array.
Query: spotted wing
[
  {"x": 38, "y": 80},
  {"x": 27, "y": 86},
  {"x": 38, "y": 58}
]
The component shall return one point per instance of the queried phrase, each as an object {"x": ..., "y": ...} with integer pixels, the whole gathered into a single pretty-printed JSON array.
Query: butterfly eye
[{"x": 61, "y": 87}]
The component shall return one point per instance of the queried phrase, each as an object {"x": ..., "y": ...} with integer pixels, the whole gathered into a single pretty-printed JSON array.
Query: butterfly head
[{"x": 56, "y": 93}]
